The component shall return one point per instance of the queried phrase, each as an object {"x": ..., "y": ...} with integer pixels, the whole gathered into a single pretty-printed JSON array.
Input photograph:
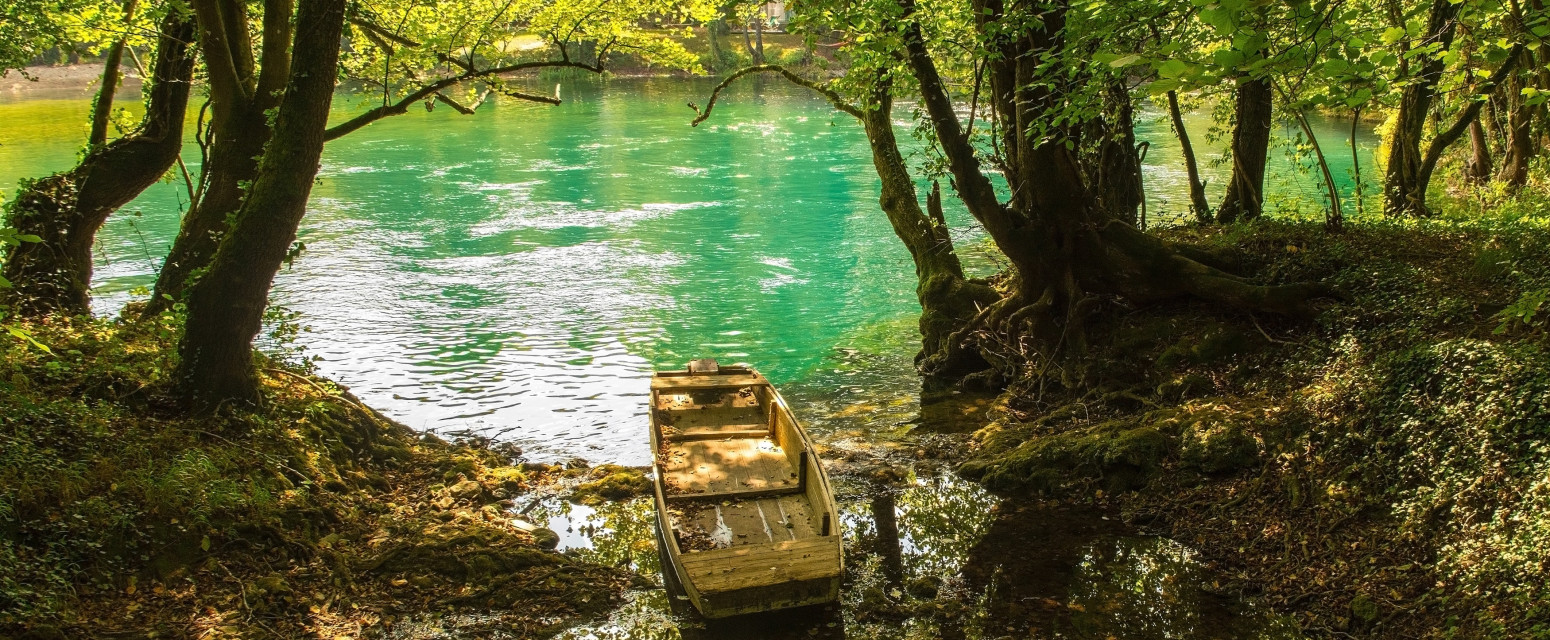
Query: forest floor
[
  {"x": 1382, "y": 472},
  {"x": 312, "y": 516}
]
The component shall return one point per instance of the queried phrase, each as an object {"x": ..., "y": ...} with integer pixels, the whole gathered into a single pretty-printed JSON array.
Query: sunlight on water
[{"x": 518, "y": 273}]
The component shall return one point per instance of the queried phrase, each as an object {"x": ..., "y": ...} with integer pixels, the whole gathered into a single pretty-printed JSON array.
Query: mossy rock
[
  {"x": 1119, "y": 455},
  {"x": 612, "y": 483}
]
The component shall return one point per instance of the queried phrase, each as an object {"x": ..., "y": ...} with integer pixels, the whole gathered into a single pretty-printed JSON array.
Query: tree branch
[
  {"x": 402, "y": 106},
  {"x": 834, "y": 97},
  {"x": 1448, "y": 136},
  {"x": 370, "y": 27}
]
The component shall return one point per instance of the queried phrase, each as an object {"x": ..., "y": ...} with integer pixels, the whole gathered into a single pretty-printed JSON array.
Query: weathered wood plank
[
  {"x": 704, "y": 382},
  {"x": 741, "y": 567}
]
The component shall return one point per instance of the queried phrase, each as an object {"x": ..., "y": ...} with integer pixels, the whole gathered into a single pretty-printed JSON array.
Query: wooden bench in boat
[{"x": 747, "y": 517}]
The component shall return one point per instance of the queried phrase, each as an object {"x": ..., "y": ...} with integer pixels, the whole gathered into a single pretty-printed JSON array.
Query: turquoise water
[{"x": 519, "y": 272}]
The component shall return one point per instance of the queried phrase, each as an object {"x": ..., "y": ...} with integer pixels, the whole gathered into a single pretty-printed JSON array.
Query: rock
[
  {"x": 466, "y": 490},
  {"x": 546, "y": 538}
]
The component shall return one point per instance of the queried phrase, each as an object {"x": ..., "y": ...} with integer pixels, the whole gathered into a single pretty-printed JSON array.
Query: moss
[
  {"x": 611, "y": 482},
  {"x": 109, "y": 497},
  {"x": 1119, "y": 455}
]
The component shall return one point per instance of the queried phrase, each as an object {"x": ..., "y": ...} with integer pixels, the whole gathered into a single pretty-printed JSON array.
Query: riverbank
[
  {"x": 313, "y": 516},
  {"x": 1379, "y": 472},
  {"x": 62, "y": 82}
]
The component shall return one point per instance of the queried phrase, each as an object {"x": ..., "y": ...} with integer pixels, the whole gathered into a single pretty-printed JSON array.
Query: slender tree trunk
[
  {"x": 66, "y": 209},
  {"x": 758, "y": 57},
  {"x": 1356, "y": 162},
  {"x": 715, "y": 30},
  {"x": 748, "y": 44},
  {"x": 102, "y": 109},
  {"x": 1479, "y": 166},
  {"x": 1245, "y": 198},
  {"x": 1404, "y": 189},
  {"x": 1116, "y": 170},
  {"x": 226, "y": 306},
  {"x": 1197, "y": 190}
]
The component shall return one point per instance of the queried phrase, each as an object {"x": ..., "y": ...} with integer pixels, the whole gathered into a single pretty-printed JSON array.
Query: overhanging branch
[
  {"x": 833, "y": 96},
  {"x": 402, "y": 106}
]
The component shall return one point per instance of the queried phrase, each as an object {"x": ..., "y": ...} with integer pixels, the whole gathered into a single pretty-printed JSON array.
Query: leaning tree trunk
[
  {"x": 226, "y": 306},
  {"x": 1245, "y": 197},
  {"x": 242, "y": 93},
  {"x": 1068, "y": 254},
  {"x": 1404, "y": 187},
  {"x": 948, "y": 300},
  {"x": 66, "y": 209},
  {"x": 1199, "y": 206}
]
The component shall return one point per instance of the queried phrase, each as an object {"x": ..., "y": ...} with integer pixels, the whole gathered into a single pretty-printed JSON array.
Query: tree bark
[
  {"x": 1198, "y": 204},
  {"x": 1404, "y": 189},
  {"x": 1520, "y": 148},
  {"x": 1115, "y": 171},
  {"x": 1477, "y": 169},
  {"x": 66, "y": 209},
  {"x": 240, "y": 100},
  {"x": 1245, "y": 197},
  {"x": 226, "y": 306},
  {"x": 947, "y": 299}
]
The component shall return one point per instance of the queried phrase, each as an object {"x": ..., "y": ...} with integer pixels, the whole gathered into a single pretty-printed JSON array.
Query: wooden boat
[{"x": 745, "y": 513}]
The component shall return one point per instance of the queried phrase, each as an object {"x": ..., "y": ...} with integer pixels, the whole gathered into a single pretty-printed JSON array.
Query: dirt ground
[{"x": 65, "y": 81}]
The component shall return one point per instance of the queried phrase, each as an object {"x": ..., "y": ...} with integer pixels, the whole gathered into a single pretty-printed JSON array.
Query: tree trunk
[
  {"x": 715, "y": 30},
  {"x": 1404, "y": 187},
  {"x": 1477, "y": 169},
  {"x": 1115, "y": 169},
  {"x": 1245, "y": 197},
  {"x": 226, "y": 306},
  {"x": 66, "y": 209},
  {"x": 239, "y": 128},
  {"x": 1197, "y": 190},
  {"x": 947, "y": 299},
  {"x": 102, "y": 108},
  {"x": 758, "y": 56},
  {"x": 1067, "y": 253},
  {"x": 1520, "y": 148}
]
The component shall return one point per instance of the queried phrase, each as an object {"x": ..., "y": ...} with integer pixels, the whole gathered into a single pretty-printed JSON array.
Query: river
[{"x": 518, "y": 273}]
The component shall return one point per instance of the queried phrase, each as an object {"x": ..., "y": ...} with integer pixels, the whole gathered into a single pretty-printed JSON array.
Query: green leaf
[
  {"x": 1393, "y": 35},
  {"x": 1124, "y": 61},
  {"x": 1227, "y": 58},
  {"x": 1173, "y": 68},
  {"x": 27, "y": 237}
]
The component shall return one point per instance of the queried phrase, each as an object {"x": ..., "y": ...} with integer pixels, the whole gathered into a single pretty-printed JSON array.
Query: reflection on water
[{"x": 938, "y": 557}]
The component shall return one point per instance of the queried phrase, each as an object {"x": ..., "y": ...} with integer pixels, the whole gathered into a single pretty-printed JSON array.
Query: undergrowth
[
  {"x": 1383, "y": 471},
  {"x": 309, "y": 516}
]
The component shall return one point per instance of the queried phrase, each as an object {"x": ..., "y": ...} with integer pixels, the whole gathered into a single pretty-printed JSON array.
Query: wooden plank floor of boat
[
  {"x": 726, "y": 465},
  {"x": 734, "y": 523}
]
